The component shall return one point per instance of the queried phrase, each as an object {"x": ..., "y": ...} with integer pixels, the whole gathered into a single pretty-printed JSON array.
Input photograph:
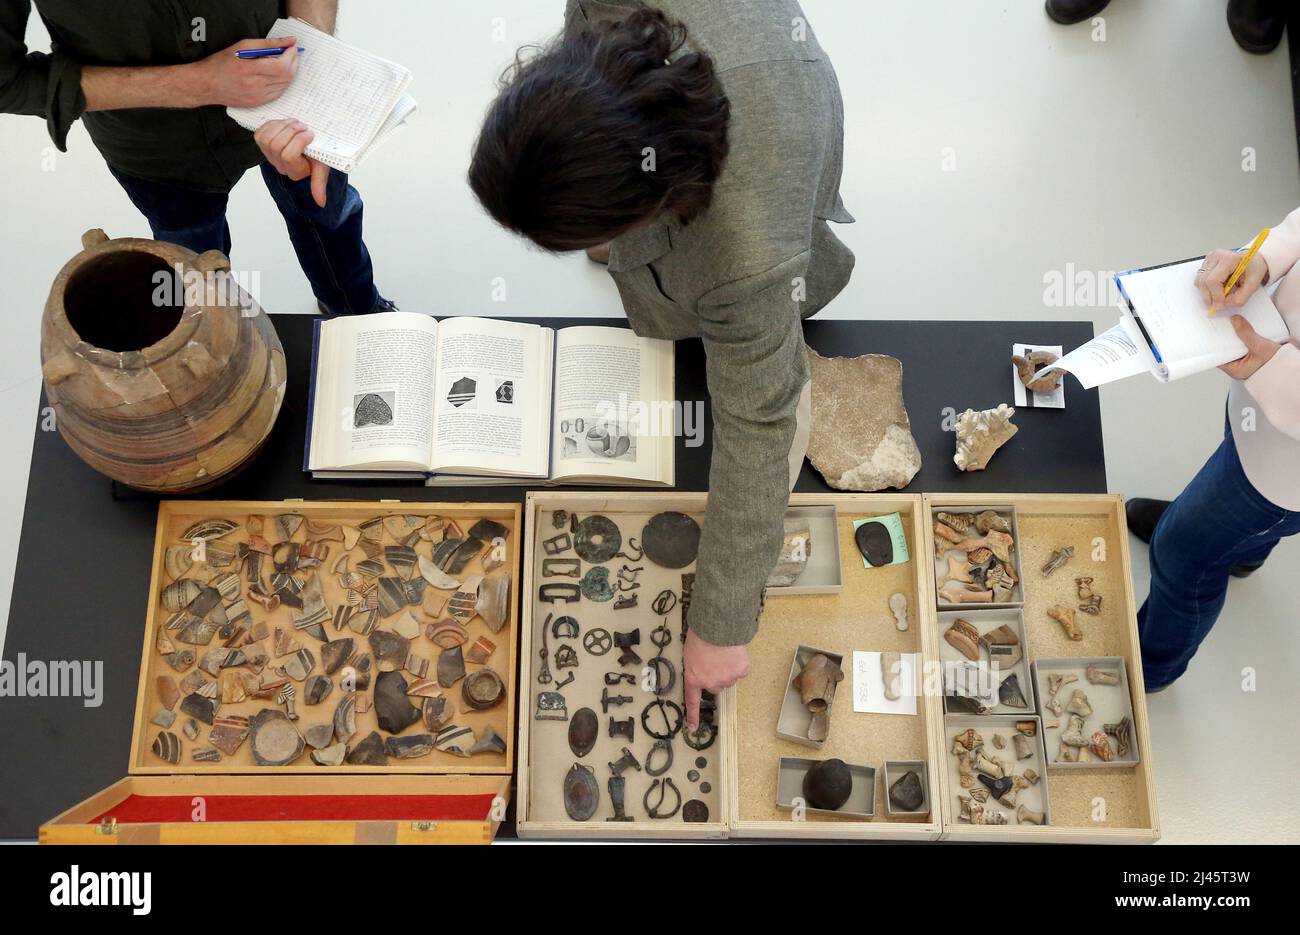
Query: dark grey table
[{"x": 82, "y": 573}]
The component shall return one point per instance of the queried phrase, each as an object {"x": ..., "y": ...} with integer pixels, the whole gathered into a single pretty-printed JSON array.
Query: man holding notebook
[
  {"x": 1247, "y": 496},
  {"x": 151, "y": 82}
]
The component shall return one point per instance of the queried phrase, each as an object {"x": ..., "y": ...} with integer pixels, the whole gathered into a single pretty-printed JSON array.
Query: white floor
[{"x": 988, "y": 150}]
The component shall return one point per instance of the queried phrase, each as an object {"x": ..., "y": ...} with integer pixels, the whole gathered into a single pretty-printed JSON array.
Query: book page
[
  {"x": 492, "y": 399},
  {"x": 345, "y": 95},
  {"x": 615, "y": 415},
  {"x": 374, "y": 393},
  {"x": 1173, "y": 311}
]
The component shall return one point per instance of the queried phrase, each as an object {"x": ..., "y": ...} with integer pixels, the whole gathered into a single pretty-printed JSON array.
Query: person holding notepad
[
  {"x": 150, "y": 82},
  {"x": 1247, "y": 496},
  {"x": 703, "y": 142}
]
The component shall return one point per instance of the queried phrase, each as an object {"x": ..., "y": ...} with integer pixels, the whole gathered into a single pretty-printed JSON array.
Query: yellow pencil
[{"x": 1241, "y": 267}]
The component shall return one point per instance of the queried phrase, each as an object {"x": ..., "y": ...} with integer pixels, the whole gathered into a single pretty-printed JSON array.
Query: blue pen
[{"x": 263, "y": 53}]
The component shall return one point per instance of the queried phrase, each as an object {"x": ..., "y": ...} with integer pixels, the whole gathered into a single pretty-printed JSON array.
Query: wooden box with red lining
[{"x": 436, "y": 798}]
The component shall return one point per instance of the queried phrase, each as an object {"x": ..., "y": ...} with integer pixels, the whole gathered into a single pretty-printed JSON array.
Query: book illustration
[
  {"x": 506, "y": 392},
  {"x": 373, "y": 408},
  {"x": 612, "y": 440},
  {"x": 463, "y": 393}
]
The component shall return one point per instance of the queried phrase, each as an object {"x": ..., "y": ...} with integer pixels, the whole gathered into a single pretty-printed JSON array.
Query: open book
[
  {"x": 1166, "y": 329},
  {"x": 351, "y": 100},
  {"x": 479, "y": 400}
]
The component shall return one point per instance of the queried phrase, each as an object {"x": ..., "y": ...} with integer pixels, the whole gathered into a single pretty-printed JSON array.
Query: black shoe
[
  {"x": 383, "y": 305},
  {"x": 1143, "y": 514},
  {"x": 1069, "y": 12},
  {"x": 1256, "y": 24}
]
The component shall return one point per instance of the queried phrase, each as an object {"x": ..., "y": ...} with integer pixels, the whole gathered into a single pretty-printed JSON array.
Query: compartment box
[
  {"x": 794, "y": 719},
  {"x": 986, "y": 620},
  {"x": 895, "y": 770},
  {"x": 789, "y": 789},
  {"x": 1109, "y": 704},
  {"x": 1090, "y": 805},
  {"x": 444, "y": 802},
  {"x": 824, "y": 572},
  {"x": 1006, "y": 509},
  {"x": 1036, "y": 796}
]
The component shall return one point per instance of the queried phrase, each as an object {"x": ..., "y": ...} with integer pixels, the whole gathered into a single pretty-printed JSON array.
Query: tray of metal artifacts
[
  {"x": 1087, "y": 712},
  {"x": 607, "y": 586},
  {"x": 817, "y": 658},
  {"x": 329, "y": 637},
  {"x": 1077, "y": 605}
]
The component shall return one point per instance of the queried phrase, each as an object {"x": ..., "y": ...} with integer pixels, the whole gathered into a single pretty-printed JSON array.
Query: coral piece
[
  {"x": 861, "y": 437},
  {"x": 981, "y": 434}
]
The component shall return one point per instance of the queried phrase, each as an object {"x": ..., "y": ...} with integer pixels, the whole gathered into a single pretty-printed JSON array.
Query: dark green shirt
[{"x": 198, "y": 148}]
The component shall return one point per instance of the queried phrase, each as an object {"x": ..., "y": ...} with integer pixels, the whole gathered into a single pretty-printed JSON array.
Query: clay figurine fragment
[
  {"x": 1065, "y": 617},
  {"x": 1079, "y": 704},
  {"x": 1099, "y": 676},
  {"x": 1122, "y": 731},
  {"x": 898, "y": 607},
  {"x": 1030, "y": 364},
  {"x": 1099, "y": 744},
  {"x": 1027, "y": 816},
  {"x": 861, "y": 437},
  {"x": 816, "y": 685},
  {"x": 981, "y": 434},
  {"x": 1023, "y": 746},
  {"x": 906, "y": 794},
  {"x": 1059, "y": 558},
  {"x": 1090, "y": 598},
  {"x": 828, "y": 784}
]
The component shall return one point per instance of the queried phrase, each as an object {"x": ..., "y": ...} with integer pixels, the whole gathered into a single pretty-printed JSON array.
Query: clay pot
[{"x": 162, "y": 372}]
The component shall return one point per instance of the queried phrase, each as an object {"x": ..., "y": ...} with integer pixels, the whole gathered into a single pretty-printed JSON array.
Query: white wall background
[{"x": 1067, "y": 152}]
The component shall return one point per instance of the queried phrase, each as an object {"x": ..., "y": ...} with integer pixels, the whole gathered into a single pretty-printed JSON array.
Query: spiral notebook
[{"x": 352, "y": 100}]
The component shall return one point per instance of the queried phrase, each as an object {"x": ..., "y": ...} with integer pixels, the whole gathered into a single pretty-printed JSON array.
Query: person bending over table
[
  {"x": 703, "y": 143},
  {"x": 151, "y": 79},
  {"x": 1247, "y": 496}
]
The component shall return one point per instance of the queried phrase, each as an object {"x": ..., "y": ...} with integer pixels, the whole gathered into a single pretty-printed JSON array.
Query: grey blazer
[{"x": 744, "y": 275}]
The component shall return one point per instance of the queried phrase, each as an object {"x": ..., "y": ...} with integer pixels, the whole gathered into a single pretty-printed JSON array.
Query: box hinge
[
  {"x": 107, "y": 826},
  {"x": 424, "y": 825}
]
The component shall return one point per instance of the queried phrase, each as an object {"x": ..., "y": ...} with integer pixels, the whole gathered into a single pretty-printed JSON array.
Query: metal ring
[
  {"x": 663, "y": 686},
  {"x": 667, "y": 747},
  {"x": 671, "y": 729},
  {"x": 565, "y": 627},
  {"x": 597, "y": 641},
  {"x": 701, "y": 739},
  {"x": 663, "y": 786},
  {"x": 664, "y": 602},
  {"x": 661, "y": 636}
]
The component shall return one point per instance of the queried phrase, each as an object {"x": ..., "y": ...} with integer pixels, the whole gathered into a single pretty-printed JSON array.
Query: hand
[
  {"x": 234, "y": 82},
  {"x": 283, "y": 142},
  {"x": 709, "y": 668},
  {"x": 1259, "y": 350},
  {"x": 1217, "y": 268}
]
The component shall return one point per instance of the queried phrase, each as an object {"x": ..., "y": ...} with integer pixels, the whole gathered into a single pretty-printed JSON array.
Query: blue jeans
[
  {"x": 327, "y": 240},
  {"x": 1218, "y": 522}
]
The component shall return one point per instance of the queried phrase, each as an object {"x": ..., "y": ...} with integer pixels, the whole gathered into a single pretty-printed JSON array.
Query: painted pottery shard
[
  {"x": 287, "y": 524},
  {"x": 336, "y": 652},
  {"x": 163, "y": 643},
  {"x": 228, "y": 733},
  {"x": 167, "y": 746},
  {"x": 393, "y": 711},
  {"x": 828, "y": 784},
  {"x": 435, "y": 576},
  {"x": 1003, "y": 645},
  {"x": 451, "y": 666},
  {"x": 369, "y": 752},
  {"x": 285, "y": 642},
  {"x": 319, "y": 736},
  {"x": 1099, "y": 744},
  {"x": 197, "y": 632},
  {"x": 401, "y": 559},
  {"x": 906, "y": 794},
  {"x": 345, "y": 718},
  {"x": 493, "y": 602},
  {"x": 180, "y": 594},
  {"x": 452, "y": 555},
  {"x": 317, "y": 689},
  {"x": 581, "y": 792},
  {"x": 455, "y": 740},
  {"x": 414, "y": 590},
  {"x": 584, "y": 730},
  {"x": 898, "y": 607},
  {"x": 861, "y": 436},
  {"x": 390, "y": 649},
  {"x": 671, "y": 539},
  {"x": 206, "y": 755},
  {"x": 209, "y": 529},
  {"x": 370, "y": 568},
  {"x": 1027, "y": 368},
  {"x": 191, "y": 728},
  {"x": 874, "y": 542},
  {"x": 405, "y": 748},
  {"x": 164, "y": 718},
  {"x": 981, "y": 434},
  {"x": 198, "y": 707},
  {"x": 1009, "y": 692},
  {"x": 963, "y": 637},
  {"x": 417, "y": 665},
  {"x": 392, "y": 596},
  {"x": 406, "y": 626},
  {"x": 436, "y": 711},
  {"x": 490, "y": 742},
  {"x": 1122, "y": 731},
  {"x": 274, "y": 740},
  {"x": 796, "y": 548},
  {"x": 481, "y": 651},
  {"x": 1065, "y": 617},
  {"x": 299, "y": 665},
  {"x": 332, "y": 755},
  {"x": 482, "y": 689}
]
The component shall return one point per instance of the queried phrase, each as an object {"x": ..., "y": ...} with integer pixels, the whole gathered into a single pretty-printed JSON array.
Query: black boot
[
  {"x": 1143, "y": 514},
  {"x": 1256, "y": 24},
  {"x": 1069, "y": 12}
]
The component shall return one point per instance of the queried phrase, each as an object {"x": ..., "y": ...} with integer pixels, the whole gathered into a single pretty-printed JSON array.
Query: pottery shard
[
  {"x": 275, "y": 741},
  {"x": 393, "y": 711},
  {"x": 330, "y": 756},
  {"x": 861, "y": 436},
  {"x": 405, "y": 748},
  {"x": 369, "y": 752},
  {"x": 228, "y": 733}
]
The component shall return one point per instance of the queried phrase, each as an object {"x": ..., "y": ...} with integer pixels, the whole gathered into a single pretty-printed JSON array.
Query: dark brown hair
[{"x": 560, "y": 157}]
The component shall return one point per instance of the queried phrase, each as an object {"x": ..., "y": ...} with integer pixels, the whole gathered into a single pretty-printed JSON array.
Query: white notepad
[{"x": 351, "y": 100}]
